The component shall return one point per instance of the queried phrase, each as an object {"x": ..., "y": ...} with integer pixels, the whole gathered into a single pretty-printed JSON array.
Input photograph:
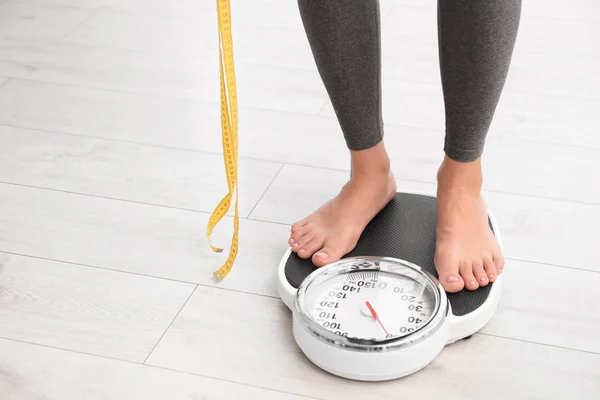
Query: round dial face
[{"x": 372, "y": 304}]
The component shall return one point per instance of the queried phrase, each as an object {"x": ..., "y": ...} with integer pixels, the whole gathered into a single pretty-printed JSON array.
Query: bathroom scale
[{"x": 380, "y": 313}]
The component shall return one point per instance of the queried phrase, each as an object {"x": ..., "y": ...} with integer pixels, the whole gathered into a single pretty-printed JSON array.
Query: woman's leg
[
  {"x": 344, "y": 36},
  {"x": 476, "y": 41}
]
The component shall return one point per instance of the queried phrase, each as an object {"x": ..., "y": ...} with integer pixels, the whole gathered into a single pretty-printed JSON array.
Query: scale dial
[
  {"x": 372, "y": 304},
  {"x": 369, "y": 301}
]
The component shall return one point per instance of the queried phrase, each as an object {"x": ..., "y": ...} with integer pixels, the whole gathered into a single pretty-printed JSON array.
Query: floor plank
[
  {"x": 147, "y": 33},
  {"x": 533, "y": 229},
  {"x": 258, "y": 346},
  {"x": 569, "y": 121},
  {"x": 189, "y": 9},
  {"x": 191, "y": 77},
  {"x": 413, "y": 61},
  {"x": 146, "y": 174},
  {"x": 257, "y": 12},
  {"x": 33, "y": 372},
  {"x": 263, "y": 32},
  {"x": 297, "y": 191},
  {"x": 85, "y": 309},
  {"x": 113, "y": 115},
  {"x": 256, "y": 38},
  {"x": 37, "y": 23},
  {"x": 547, "y": 231},
  {"x": 559, "y": 309},
  {"x": 573, "y": 39},
  {"x": 410, "y": 23},
  {"x": 577, "y": 10},
  {"x": 138, "y": 238},
  {"x": 112, "y": 69}
]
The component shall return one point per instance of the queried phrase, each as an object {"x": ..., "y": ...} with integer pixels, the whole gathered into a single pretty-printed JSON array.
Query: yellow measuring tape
[{"x": 229, "y": 124}]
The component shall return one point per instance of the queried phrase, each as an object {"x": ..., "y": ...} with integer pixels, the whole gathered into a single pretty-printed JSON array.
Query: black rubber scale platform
[{"x": 404, "y": 229}]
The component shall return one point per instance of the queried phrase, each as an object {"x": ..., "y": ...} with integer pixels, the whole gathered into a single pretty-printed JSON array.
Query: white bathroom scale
[{"x": 379, "y": 313}]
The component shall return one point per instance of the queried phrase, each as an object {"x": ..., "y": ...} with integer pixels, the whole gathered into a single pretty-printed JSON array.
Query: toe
[
  {"x": 499, "y": 262},
  {"x": 480, "y": 274},
  {"x": 490, "y": 269},
  {"x": 297, "y": 235},
  {"x": 325, "y": 256},
  {"x": 331, "y": 251},
  {"x": 466, "y": 272},
  {"x": 303, "y": 253},
  {"x": 304, "y": 240},
  {"x": 298, "y": 230},
  {"x": 449, "y": 277},
  {"x": 294, "y": 245},
  {"x": 308, "y": 249}
]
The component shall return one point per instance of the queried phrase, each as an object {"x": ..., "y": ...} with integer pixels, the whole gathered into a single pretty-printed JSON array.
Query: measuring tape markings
[{"x": 229, "y": 124}]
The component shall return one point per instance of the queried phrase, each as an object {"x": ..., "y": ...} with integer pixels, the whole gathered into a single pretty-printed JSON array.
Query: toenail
[
  {"x": 473, "y": 283},
  {"x": 301, "y": 251},
  {"x": 295, "y": 244},
  {"x": 322, "y": 255},
  {"x": 452, "y": 279},
  {"x": 492, "y": 276},
  {"x": 291, "y": 240},
  {"x": 483, "y": 279}
]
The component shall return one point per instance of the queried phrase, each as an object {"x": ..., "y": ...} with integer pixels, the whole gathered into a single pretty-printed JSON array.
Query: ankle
[
  {"x": 370, "y": 163},
  {"x": 454, "y": 175}
]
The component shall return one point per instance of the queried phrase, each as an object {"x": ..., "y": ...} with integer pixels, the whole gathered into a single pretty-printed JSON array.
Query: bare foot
[
  {"x": 467, "y": 254},
  {"x": 334, "y": 229}
]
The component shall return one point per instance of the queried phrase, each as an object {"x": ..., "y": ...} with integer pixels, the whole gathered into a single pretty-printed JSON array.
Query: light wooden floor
[{"x": 110, "y": 167}]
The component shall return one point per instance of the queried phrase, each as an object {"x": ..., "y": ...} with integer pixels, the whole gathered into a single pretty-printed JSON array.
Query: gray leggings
[{"x": 476, "y": 41}]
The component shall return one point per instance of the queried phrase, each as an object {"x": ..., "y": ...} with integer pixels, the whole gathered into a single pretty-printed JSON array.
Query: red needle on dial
[{"x": 376, "y": 317}]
